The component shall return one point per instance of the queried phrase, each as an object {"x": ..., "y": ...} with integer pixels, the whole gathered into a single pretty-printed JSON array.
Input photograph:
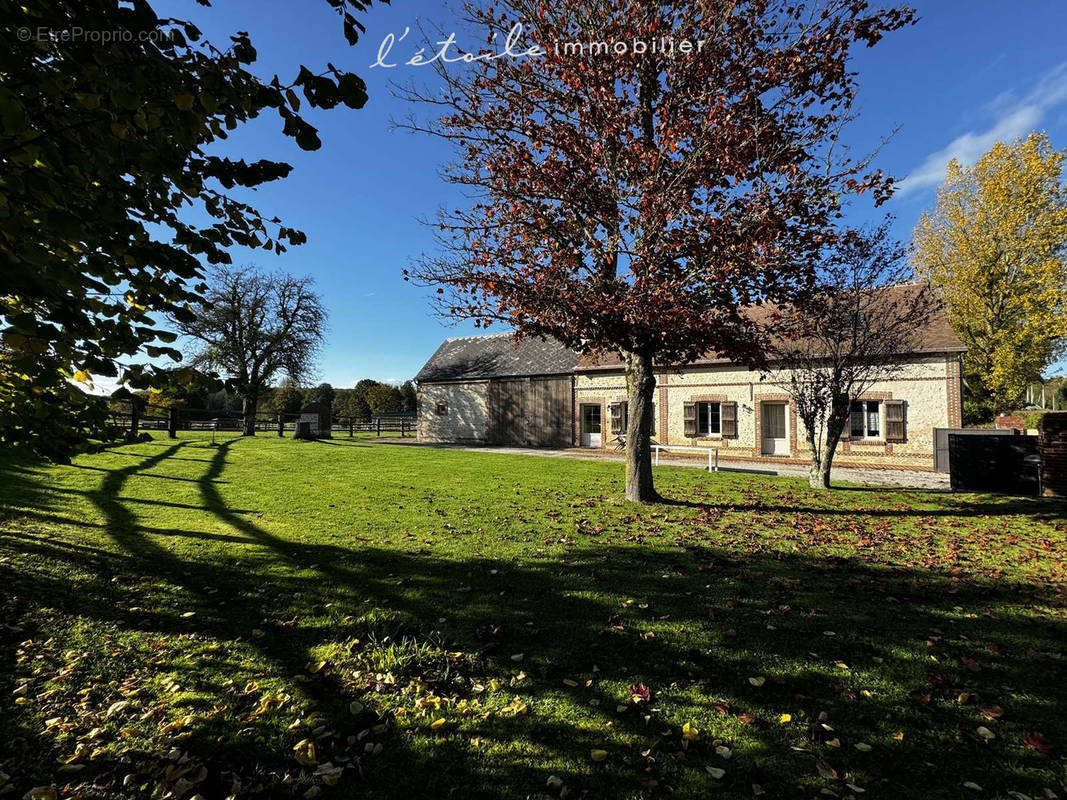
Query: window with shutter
[
  {"x": 689, "y": 417},
  {"x": 709, "y": 419},
  {"x": 729, "y": 420},
  {"x": 895, "y": 424},
  {"x": 618, "y": 418}
]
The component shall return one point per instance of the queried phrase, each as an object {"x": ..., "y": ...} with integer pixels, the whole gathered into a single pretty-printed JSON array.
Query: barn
[{"x": 494, "y": 390}]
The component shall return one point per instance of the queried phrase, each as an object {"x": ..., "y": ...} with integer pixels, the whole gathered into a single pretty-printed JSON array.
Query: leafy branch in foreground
[{"x": 104, "y": 155}]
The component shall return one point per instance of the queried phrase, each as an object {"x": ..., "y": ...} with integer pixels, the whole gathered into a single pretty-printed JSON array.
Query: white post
[
  {"x": 657, "y": 455},
  {"x": 709, "y": 459}
]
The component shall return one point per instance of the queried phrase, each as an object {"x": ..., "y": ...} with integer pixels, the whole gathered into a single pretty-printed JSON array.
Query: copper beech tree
[{"x": 639, "y": 203}]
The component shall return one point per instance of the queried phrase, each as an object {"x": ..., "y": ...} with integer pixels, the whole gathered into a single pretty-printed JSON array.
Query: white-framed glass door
[
  {"x": 773, "y": 429},
  {"x": 591, "y": 425}
]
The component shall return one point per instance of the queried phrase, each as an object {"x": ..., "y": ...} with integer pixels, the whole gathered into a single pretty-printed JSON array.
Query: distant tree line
[{"x": 367, "y": 399}]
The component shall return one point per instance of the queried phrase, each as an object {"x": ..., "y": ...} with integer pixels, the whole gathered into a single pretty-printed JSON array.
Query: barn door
[{"x": 507, "y": 415}]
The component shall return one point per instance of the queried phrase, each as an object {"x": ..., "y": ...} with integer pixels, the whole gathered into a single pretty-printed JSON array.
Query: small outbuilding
[
  {"x": 318, "y": 417},
  {"x": 494, "y": 390}
]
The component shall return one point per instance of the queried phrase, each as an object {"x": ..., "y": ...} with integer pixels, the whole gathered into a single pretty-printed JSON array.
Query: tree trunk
[
  {"x": 248, "y": 408},
  {"x": 819, "y": 477},
  {"x": 815, "y": 471},
  {"x": 822, "y": 458},
  {"x": 640, "y": 389}
]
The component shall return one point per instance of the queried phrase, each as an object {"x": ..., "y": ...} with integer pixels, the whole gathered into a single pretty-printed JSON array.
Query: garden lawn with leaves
[{"x": 273, "y": 618}]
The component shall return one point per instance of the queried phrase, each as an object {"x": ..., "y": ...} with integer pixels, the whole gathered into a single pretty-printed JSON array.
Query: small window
[
  {"x": 441, "y": 409},
  {"x": 709, "y": 419},
  {"x": 865, "y": 419}
]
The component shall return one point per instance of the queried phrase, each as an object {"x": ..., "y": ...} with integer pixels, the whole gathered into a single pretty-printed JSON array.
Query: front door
[
  {"x": 591, "y": 425},
  {"x": 775, "y": 438}
]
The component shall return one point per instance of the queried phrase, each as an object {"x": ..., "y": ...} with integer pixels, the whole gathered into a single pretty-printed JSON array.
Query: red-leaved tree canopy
[{"x": 639, "y": 203}]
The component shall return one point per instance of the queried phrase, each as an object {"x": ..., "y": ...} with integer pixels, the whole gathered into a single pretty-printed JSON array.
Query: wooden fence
[{"x": 136, "y": 417}]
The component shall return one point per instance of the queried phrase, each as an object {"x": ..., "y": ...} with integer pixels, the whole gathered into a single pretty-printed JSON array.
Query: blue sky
[{"x": 967, "y": 74}]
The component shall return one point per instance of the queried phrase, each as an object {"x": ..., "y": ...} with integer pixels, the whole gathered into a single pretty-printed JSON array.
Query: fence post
[
  {"x": 281, "y": 424},
  {"x": 379, "y": 426},
  {"x": 135, "y": 418},
  {"x": 351, "y": 428},
  {"x": 172, "y": 423}
]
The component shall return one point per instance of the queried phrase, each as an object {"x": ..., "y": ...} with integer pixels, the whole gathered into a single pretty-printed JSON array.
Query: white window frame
[
  {"x": 865, "y": 435},
  {"x": 705, "y": 418}
]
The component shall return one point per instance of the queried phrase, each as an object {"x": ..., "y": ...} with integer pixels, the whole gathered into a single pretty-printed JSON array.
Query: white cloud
[{"x": 1014, "y": 118}]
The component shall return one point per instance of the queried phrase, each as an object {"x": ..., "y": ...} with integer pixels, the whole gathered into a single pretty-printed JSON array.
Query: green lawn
[{"x": 177, "y": 618}]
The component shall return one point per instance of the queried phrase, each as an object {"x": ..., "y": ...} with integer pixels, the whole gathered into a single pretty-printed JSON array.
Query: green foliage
[
  {"x": 106, "y": 146},
  {"x": 323, "y": 393},
  {"x": 978, "y": 410},
  {"x": 250, "y": 596},
  {"x": 384, "y": 399},
  {"x": 410, "y": 396},
  {"x": 1032, "y": 418},
  {"x": 994, "y": 248},
  {"x": 287, "y": 400},
  {"x": 356, "y": 408}
]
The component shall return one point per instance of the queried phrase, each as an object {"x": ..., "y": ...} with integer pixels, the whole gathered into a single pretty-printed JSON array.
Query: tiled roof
[
  {"x": 496, "y": 356},
  {"x": 936, "y": 337}
]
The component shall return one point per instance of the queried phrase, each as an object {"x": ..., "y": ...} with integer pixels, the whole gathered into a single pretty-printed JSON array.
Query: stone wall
[
  {"x": 466, "y": 412},
  {"x": 929, "y": 386}
]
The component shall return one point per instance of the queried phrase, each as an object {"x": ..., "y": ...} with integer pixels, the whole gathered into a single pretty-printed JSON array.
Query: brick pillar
[{"x": 1052, "y": 447}]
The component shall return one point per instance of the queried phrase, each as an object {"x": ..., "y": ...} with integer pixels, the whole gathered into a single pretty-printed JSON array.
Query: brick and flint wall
[{"x": 929, "y": 386}]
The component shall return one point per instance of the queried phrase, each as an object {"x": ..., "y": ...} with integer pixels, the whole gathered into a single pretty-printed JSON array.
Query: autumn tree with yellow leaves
[{"x": 994, "y": 248}]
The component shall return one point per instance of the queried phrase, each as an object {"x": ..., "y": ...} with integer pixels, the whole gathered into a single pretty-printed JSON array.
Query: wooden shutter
[
  {"x": 895, "y": 427},
  {"x": 689, "y": 417},
  {"x": 616, "y": 418},
  {"x": 728, "y": 420}
]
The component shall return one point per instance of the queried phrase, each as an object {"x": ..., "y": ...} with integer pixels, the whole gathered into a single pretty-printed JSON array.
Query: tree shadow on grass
[{"x": 876, "y": 650}]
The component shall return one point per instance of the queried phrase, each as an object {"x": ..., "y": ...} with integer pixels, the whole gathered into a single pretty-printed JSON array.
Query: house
[
  {"x": 490, "y": 390},
  {"x": 487, "y": 389}
]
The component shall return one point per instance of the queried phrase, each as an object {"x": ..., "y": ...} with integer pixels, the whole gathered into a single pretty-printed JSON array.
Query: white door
[
  {"x": 591, "y": 425},
  {"x": 775, "y": 437}
]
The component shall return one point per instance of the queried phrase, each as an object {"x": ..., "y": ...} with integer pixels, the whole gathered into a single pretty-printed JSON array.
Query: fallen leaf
[
  {"x": 598, "y": 755},
  {"x": 782, "y": 720},
  {"x": 437, "y": 724},
  {"x": 305, "y": 752},
  {"x": 1037, "y": 741},
  {"x": 690, "y": 733},
  {"x": 758, "y": 681},
  {"x": 715, "y": 772}
]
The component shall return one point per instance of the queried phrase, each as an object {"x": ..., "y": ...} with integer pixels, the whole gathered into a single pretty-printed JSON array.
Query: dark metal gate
[
  {"x": 941, "y": 442},
  {"x": 993, "y": 463}
]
